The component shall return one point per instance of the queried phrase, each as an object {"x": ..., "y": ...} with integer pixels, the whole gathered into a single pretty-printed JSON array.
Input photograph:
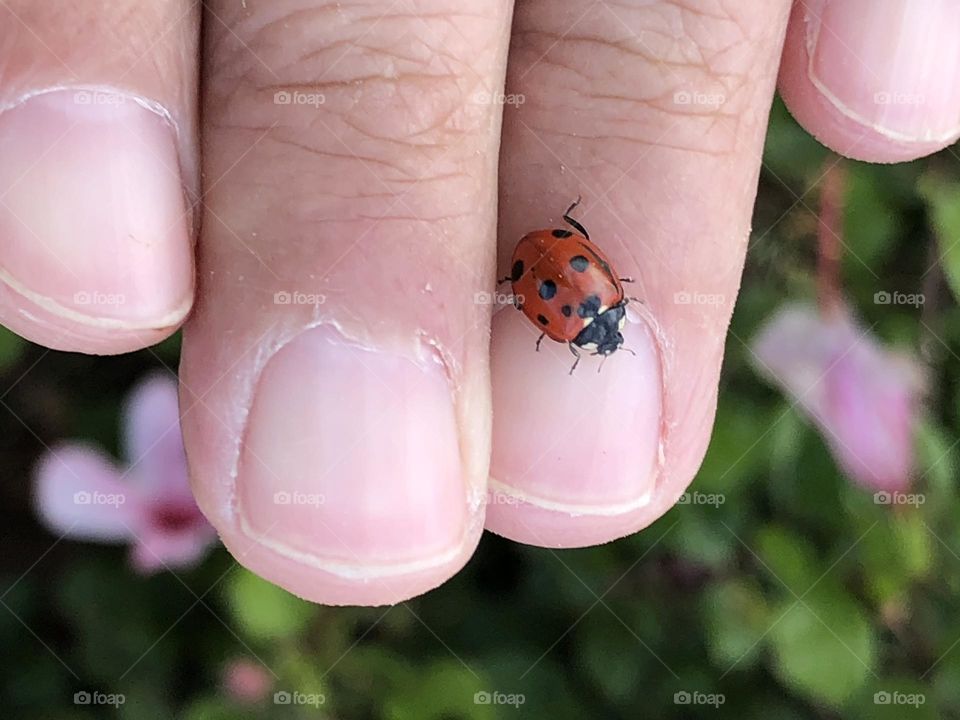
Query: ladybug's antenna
[{"x": 573, "y": 223}]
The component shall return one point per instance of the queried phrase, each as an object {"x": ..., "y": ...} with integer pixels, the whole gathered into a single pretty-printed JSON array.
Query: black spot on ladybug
[
  {"x": 542, "y": 320},
  {"x": 579, "y": 263},
  {"x": 517, "y": 271},
  {"x": 589, "y": 307},
  {"x": 566, "y": 310},
  {"x": 548, "y": 288},
  {"x": 598, "y": 260},
  {"x": 559, "y": 233}
]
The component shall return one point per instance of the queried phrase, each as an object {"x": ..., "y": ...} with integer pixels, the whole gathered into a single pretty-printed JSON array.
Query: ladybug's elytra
[{"x": 566, "y": 286}]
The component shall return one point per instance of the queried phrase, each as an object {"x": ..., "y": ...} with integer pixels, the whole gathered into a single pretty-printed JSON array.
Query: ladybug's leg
[
  {"x": 576, "y": 355},
  {"x": 539, "y": 340},
  {"x": 627, "y": 280},
  {"x": 573, "y": 223}
]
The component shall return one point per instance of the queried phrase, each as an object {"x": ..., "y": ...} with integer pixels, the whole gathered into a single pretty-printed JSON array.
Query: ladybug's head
[
  {"x": 603, "y": 334},
  {"x": 612, "y": 343}
]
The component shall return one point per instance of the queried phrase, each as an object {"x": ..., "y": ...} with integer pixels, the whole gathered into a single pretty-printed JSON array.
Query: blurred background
[{"x": 782, "y": 587}]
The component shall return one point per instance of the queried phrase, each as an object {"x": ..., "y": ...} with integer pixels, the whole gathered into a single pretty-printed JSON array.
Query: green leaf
[
  {"x": 870, "y": 222},
  {"x": 937, "y": 462},
  {"x": 700, "y": 540},
  {"x": 736, "y": 616},
  {"x": 788, "y": 556},
  {"x": 943, "y": 200},
  {"x": 823, "y": 647},
  {"x": 600, "y": 642},
  {"x": 738, "y": 447},
  {"x": 265, "y": 611},
  {"x": 897, "y": 551},
  {"x": 448, "y": 689}
]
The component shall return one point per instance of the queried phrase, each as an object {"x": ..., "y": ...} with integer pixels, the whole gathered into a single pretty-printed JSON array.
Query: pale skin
[{"x": 347, "y": 400}]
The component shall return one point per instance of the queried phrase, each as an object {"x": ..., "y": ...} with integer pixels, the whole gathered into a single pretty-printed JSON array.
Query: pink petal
[
  {"x": 156, "y": 548},
  {"x": 153, "y": 443},
  {"x": 862, "y": 397},
  {"x": 873, "y": 437},
  {"x": 78, "y": 493}
]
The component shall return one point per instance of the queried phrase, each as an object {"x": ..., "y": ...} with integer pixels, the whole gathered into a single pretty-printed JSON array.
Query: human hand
[{"x": 343, "y": 403}]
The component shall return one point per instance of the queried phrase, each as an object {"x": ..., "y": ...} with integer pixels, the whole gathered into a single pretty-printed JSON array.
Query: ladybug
[{"x": 566, "y": 286}]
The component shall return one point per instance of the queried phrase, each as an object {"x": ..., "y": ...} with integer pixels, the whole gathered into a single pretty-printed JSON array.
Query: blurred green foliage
[{"x": 797, "y": 596}]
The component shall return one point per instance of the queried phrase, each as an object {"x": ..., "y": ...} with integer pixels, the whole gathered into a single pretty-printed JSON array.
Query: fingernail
[
  {"x": 892, "y": 66},
  {"x": 350, "y": 461},
  {"x": 580, "y": 444},
  {"x": 93, "y": 224}
]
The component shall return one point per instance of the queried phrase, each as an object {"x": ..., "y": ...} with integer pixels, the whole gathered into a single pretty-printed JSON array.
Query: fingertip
[
  {"x": 348, "y": 486},
  {"x": 345, "y": 584},
  {"x": 577, "y": 459},
  {"x": 95, "y": 242},
  {"x": 874, "y": 81}
]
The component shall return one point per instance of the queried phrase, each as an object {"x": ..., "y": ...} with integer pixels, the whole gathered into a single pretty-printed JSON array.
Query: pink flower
[
  {"x": 246, "y": 681},
  {"x": 82, "y": 494},
  {"x": 862, "y": 396}
]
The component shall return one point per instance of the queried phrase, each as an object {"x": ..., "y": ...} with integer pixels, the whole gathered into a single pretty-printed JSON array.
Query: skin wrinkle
[
  {"x": 407, "y": 159},
  {"x": 644, "y": 139},
  {"x": 620, "y": 47},
  {"x": 349, "y": 44},
  {"x": 428, "y": 32},
  {"x": 563, "y": 53},
  {"x": 327, "y": 155}
]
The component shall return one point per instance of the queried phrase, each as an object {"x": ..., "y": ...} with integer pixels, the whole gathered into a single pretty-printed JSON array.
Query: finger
[
  {"x": 656, "y": 114},
  {"x": 875, "y": 80},
  {"x": 97, "y": 141},
  {"x": 335, "y": 374}
]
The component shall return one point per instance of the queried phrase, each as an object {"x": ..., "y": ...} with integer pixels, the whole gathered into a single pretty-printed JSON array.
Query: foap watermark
[
  {"x": 97, "y": 97},
  {"x": 95, "y": 697},
  {"x": 298, "y": 97},
  {"x": 899, "y": 498},
  {"x": 286, "y": 697},
  {"x": 298, "y": 298},
  {"x": 497, "y": 298},
  {"x": 484, "y": 697},
  {"x": 898, "y": 98},
  {"x": 699, "y": 498},
  {"x": 94, "y": 297},
  {"x": 501, "y": 498},
  {"x": 896, "y": 697},
  {"x": 697, "y": 298},
  {"x": 686, "y": 697},
  {"x": 695, "y": 97},
  {"x": 299, "y": 498},
  {"x": 898, "y": 298},
  {"x": 498, "y": 98},
  {"x": 85, "y": 497}
]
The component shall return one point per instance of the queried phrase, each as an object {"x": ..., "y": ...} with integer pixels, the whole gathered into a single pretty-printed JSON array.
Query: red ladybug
[{"x": 565, "y": 285}]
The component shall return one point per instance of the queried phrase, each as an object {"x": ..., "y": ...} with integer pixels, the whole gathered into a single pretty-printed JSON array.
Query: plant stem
[{"x": 829, "y": 236}]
